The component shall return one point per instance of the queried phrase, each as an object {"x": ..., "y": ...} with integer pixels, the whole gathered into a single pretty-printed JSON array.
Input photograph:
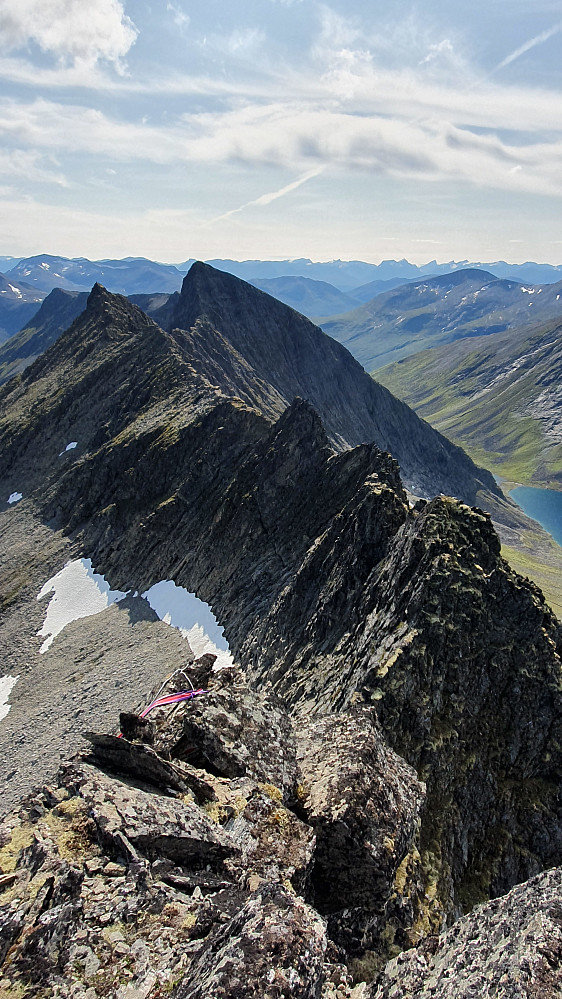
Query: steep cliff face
[{"x": 295, "y": 358}]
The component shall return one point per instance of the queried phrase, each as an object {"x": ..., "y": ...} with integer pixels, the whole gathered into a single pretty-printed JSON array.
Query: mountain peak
[{"x": 99, "y": 296}]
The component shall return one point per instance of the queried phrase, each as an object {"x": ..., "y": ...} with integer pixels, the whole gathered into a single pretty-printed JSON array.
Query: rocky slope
[
  {"x": 58, "y": 310},
  {"x": 298, "y": 360},
  {"x": 385, "y": 756}
]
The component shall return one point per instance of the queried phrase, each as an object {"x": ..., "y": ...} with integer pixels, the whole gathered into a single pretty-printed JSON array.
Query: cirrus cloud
[{"x": 297, "y": 138}]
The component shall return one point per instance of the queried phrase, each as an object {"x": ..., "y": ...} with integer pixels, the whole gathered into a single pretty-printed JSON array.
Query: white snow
[
  {"x": 194, "y": 619},
  {"x": 69, "y": 447},
  {"x": 15, "y": 290},
  {"x": 528, "y": 291},
  {"x": 7, "y": 684},
  {"x": 78, "y": 592},
  {"x": 44, "y": 266},
  {"x": 14, "y": 497}
]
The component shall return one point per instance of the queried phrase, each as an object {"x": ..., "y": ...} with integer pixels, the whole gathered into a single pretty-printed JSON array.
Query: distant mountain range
[
  {"x": 437, "y": 310},
  {"x": 137, "y": 275},
  {"x": 19, "y": 301}
]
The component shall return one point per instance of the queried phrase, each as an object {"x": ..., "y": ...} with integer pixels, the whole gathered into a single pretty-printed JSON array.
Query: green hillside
[{"x": 499, "y": 397}]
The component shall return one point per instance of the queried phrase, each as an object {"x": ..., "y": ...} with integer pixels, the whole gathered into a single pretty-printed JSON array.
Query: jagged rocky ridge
[
  {"x": 244, "y": 344},
  {"x": 382, "y": 630}
]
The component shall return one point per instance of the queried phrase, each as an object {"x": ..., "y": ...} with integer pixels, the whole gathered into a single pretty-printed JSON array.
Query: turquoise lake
[{"x": 544, "y": 505}]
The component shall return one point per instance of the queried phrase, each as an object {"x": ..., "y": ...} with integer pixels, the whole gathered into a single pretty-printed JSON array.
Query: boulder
[
  {"x": 364, "y": 803},
  {"x": 273, "y": 948},
  {"x": 152, "y": 823}
]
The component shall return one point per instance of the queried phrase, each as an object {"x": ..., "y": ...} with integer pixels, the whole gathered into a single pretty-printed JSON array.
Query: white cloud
[
  {"x": 244, "y": 40},
  {"x": 296, "y": 137},
  {"x": 180, "y": 18},
  {"x": 30, "y": 165},
  {"x": 71, "y": 30}
]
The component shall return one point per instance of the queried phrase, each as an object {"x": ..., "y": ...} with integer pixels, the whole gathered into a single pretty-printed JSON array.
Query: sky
[{"x": 266, "y": 129}]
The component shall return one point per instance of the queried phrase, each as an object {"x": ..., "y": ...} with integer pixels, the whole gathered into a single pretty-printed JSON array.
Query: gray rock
[
  {"x": 272, "y": 949},
  {"x": 364, "y": 804},
  {"x": 154, "y": 824},
  {"x": 234, "y": 731},
  {"x": 511, "y": 947},
  {"x": 275, "y": 845}
]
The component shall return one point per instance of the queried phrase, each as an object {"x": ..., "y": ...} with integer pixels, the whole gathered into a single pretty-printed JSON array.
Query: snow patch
[
  {"x": 15, "y": 290},
  {"x": 193, "y": 618},
  {"x": 528, "y": 291},
  {"x": 69, "y": 447},
  {"x": 78, "y": 592},
  {"x": 7, "y": 684},
  {"x": 44, "y": 266},
  {"x": 14, "y": 498}
]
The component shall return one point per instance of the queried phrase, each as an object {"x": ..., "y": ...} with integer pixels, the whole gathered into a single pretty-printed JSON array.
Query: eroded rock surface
[
  {"x": 511, "y": 948},
  {"x": 273, "y": 948},
  {"x": 364, "y": 804}
]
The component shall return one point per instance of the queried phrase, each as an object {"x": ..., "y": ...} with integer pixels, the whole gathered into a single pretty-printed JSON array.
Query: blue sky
[{"x": 282, "y": 128}]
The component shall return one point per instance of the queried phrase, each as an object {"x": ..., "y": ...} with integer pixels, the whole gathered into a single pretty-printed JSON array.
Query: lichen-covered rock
[
  {"x": 73, "y": 920},
  {"x": 152, "y": 823},
  {"x": 272, "y": 949},
  {"x": 464, "y": 669},
  {"x": 511, "y": 947},
  {"x": 275, "y": 846},
  {"x": 364, "y": 804},
  {"x": 233, "y": 731}
]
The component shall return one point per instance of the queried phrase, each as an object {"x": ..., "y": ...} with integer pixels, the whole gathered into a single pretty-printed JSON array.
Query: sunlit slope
[
  {"x": 440, "y": 310},
  {"x": 500, "y": 397}
]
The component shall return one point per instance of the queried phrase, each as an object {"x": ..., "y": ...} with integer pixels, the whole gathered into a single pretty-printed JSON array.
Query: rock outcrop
[{"x": 511, "y": 947}]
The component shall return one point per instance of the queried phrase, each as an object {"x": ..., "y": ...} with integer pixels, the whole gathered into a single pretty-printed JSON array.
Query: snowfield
[
  {"x": 7, "y": 684},
  {"x": 78, "y": 591}
]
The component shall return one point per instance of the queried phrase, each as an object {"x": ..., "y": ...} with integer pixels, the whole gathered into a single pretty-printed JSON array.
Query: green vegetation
[{"x": 495, "y": 396}]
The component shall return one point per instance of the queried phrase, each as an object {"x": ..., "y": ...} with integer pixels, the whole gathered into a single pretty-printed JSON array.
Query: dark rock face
[{"x": 299, "y": 360}]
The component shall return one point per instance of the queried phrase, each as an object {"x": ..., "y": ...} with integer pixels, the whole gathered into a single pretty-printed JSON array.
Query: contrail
[
  {"x": 266, "y": 199},
  {"x": 537, "y": 40}
]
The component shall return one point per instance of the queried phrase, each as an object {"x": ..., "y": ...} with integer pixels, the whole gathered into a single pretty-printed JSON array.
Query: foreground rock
[
  {"x": 511, "y": 948},
  {"x": 364, "y": 804},
  {"x": 273, "y": 948}
]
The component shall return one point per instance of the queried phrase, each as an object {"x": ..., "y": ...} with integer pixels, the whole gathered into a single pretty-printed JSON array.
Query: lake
[{"x": 544, "y": 505}]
